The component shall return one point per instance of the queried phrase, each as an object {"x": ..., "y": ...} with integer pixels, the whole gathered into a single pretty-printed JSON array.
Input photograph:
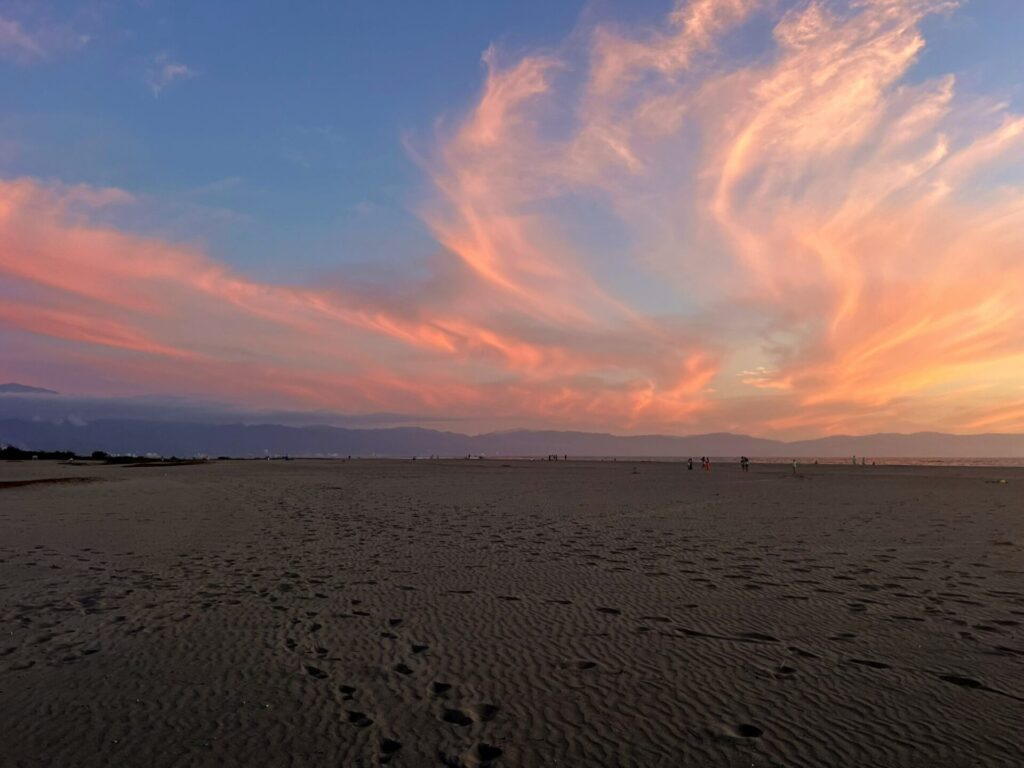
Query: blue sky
[{"x": 287, "y": 133}]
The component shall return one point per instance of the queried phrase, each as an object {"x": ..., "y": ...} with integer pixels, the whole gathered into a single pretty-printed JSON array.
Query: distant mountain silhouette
[
  {"x": 24, "y": 389},
  {"x": 180, "y": 438}
]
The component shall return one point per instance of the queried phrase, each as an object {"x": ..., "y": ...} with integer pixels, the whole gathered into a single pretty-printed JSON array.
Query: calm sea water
[
  {"x": 915, "y": 462},
  {"x": 885, "y": 461},
  {"x": 847, "y": 460}
]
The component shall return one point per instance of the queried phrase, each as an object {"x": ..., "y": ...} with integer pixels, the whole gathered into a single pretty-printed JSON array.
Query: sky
[{"x": 776, "y": 217}]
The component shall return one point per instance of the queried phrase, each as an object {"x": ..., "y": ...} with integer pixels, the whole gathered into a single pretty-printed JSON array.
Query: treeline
[{"x": 10, "y": 453}]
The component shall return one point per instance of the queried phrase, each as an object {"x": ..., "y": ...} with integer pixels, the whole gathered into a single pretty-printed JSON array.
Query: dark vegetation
[{"x": 10, "y": 453}]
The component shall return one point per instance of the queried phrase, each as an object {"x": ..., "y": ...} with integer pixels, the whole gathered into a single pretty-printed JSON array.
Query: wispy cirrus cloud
[
  {"x": 17, "y": 44},
  {"x": 32, "y": 33},
  {"x": 638, "y": 231},
  {"x": 163, "y": 70}
]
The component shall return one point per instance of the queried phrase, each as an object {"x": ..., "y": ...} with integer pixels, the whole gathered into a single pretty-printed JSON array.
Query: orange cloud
[
  {"x": 165, "y": 316},
  {"x": 647, "y": 235}
]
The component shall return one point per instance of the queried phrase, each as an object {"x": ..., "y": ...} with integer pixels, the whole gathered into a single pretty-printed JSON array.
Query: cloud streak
[
  {"x": 164, "y": 70},
  {"x": 16, "y": 43},
  {"x": 31, "y": 36},
  {"x": 638, "y": 232}
]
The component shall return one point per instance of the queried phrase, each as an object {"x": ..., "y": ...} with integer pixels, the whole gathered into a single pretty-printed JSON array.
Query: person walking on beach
[
  {"x": 794, "y": 467},
  {"x": 689, "y": 463}
]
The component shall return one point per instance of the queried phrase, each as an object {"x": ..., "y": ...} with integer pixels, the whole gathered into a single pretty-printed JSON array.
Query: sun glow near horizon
[{"x": 637, "y": 230}]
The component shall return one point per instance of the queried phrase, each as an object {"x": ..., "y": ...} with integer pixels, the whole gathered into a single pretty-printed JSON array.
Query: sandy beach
[{"x": 510, "y": 613}]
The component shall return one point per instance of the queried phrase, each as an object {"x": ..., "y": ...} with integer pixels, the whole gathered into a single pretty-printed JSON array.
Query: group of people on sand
[{"x": 705, "y": 463}]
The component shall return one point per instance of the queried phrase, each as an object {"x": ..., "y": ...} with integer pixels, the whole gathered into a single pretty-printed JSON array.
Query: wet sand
[{"x": 510, "y": 614}]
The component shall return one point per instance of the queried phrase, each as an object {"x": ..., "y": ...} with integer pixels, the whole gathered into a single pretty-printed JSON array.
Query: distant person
[
  {"x": 855, "y": 460},
  {"x": 794, "y": 466},
  {"x": 689, "y": 463},
  {"x": 744, "y": 463}
]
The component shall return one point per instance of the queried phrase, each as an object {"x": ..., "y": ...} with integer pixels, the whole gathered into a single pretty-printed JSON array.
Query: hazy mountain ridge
[
  {"x": 12, "y": 388},
  {"x": 190, "y": 438}
]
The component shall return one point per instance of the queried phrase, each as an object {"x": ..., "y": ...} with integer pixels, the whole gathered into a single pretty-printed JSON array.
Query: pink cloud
[
  {"x": 169, "y": 317},
  {"x": 16, "y": 43},
  {"x": 30, "y": 40},
  {"x": 803, "y": 242}
]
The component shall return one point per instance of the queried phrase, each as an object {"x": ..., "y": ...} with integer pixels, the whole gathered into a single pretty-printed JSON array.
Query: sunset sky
[{"x": 780, "y": 218}]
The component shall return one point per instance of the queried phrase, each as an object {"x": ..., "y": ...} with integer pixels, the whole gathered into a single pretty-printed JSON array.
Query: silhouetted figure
[
  {"x": 689, "y": 463},
  {"x": 744, "y": 463},
  {"x": 794, "y": 466}
]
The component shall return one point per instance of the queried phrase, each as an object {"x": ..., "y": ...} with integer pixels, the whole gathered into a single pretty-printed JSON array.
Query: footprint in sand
[
  {"x": 388, "y": 747},
  {"x": 870, "y": 663},
  {"x": 359, "y": 719},
  {"x": 748, "y": 731},
  {"x": 487, "y": 712},
  {"x": 963, "y": 682},
  {"x": 456, "y": 717},
  {"x": 488, "y": 753}
]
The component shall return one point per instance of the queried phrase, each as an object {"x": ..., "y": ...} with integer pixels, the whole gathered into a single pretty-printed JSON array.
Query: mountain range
[
  {"x": 180, "y": 438},
  {"x": 38, "y": 419},
  {"x": 24, "y": 389}
]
